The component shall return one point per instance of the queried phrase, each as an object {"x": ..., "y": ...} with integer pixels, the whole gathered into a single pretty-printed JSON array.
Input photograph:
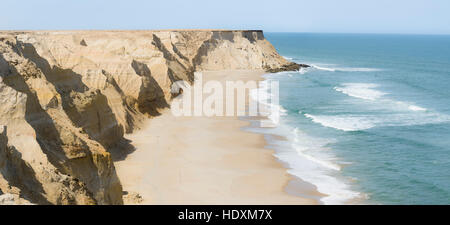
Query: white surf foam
[
  {"x": 303, "y": 144},
  {"x": 366, "y": 91},
  {"x": 416, "y": 108},
  {"x": 263, "y": 96},
  {"x": 337, "y": 191},
  {"x": 345, "y": 69},
  {"x": 418, "y": 117},
  {"x": 323, "y": 68},
  {"x": 308, "y": 157},
  {"x": 303, "y": 70},
  {"x": 360, "y": 90},
  {"x": 360, "y": 69},
  {"x": 345, "y": 123},
  {"x": 313, "y": 162},
  {"x": 363, "y": 122}
]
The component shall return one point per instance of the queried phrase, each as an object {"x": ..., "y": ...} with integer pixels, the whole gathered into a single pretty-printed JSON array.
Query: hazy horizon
[{"x": 323, "y": 16}]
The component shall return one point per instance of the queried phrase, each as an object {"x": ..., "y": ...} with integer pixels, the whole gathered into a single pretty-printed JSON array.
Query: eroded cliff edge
[{"x": 68, "y": 97}]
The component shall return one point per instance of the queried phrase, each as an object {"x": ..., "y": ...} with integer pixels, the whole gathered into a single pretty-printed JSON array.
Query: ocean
[{"x": 369, "y": 122}]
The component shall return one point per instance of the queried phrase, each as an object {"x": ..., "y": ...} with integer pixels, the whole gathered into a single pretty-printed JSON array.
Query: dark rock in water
[
  {"x": 304, "y": 66},
  {"x": 288, "y": 67}
]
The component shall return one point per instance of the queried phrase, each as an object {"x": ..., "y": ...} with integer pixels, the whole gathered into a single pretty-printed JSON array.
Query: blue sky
[{"x": 337, "y": 16}]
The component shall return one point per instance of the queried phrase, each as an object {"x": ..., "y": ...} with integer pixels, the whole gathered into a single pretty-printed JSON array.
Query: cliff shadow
[
  {"x": 121, "y": 150},
  {"x": 151, "y": 95},
  {"x": 173, "y": 61},
  {"x": 223, "y": 35},
  {"x": 49, "y": 139},
  {"x": 19, "y": 174},
  {"x": 203, "y": 51},
  {"x": 35, "y": 116},
  {"x": 47, "y": 135},
  {"x": 88, "y": 109},
  {"x": 253, "y": 36}
]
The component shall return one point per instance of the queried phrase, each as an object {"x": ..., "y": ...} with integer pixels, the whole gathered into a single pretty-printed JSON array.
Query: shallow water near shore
[{"x": 369, "y": 121}]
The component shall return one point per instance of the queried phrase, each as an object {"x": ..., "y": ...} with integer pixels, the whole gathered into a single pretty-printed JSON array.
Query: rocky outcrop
[
  {"x": 287, "y": 67},
  {"x": 68, "y": 97}
]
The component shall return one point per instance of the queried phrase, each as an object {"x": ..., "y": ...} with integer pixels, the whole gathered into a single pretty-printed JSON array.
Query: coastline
[{"x": 208, "y": 160}]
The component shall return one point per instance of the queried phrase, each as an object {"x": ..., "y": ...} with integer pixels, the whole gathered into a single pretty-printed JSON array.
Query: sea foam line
[
  {"x": 360, "y": 90},
  {"x": 367, "y": 91},
  {"x": 345, "y": 69},
  {"x": 351, "y": 122},
  {"x": 345, "y": 123},
  {"x": 302, "y": 148},
  {"x": 306, "y": 157},
  {"x": 261, "y": 95},
  {"x": 314, "y": 163}
]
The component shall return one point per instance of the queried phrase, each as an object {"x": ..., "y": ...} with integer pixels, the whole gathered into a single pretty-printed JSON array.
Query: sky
[{"x": 328, "y": 16}]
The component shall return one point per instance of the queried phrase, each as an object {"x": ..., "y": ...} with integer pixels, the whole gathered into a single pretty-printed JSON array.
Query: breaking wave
[
  {"x": 345, "y": 123},
  {"x": 364, "y": 122},
  {"x": 360, "y": 90},
  {"x": 345, "y": 69}
]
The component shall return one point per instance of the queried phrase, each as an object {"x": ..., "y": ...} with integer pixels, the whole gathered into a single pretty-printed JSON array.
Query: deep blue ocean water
[{"x": 370, "y": 121}]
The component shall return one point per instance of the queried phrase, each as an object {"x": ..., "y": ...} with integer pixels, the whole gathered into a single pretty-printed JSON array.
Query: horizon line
[{"x": 229, "y": 30}]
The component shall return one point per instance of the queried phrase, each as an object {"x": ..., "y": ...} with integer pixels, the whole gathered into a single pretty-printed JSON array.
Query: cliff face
[{"x": 68, "y": 97}]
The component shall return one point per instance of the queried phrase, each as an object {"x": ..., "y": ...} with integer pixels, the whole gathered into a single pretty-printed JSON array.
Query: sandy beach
[{"x": 207, "y": 160}]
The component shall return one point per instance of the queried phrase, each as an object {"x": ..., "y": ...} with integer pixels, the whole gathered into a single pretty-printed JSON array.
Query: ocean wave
[
  {"x": 288, "y": 58},
  {"x": 338, "y": 190},
  {"x": 262, "y": 96},
  {"x": 323, "y": 68},
  {"x": 303, "y": 70},
  {"x": 360, "y": 90},
  {"x": 302, "y": 145},
  {"x": 309, "y": 159},
  {"x": 364, "y": 122},
  {"x": 361, "y": 69},
  {"x": 366, "y": 91},
  {"x": 403, "y": 106},
  {"x": 313, "y": 162},
  {"x": 416, "y": 108},
  {"x": 345, "y": 69},
  {"x": 345, "y": 123}
]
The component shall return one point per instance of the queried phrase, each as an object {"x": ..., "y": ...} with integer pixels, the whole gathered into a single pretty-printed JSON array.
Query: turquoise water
[{"x": 370, "y": 122}]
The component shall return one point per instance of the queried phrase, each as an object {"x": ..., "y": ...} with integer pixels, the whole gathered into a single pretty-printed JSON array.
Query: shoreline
[
  {"x": 208, "y": 160},
  {"x": 290, "y": 142},
  {"x": 295, "y": 184}
]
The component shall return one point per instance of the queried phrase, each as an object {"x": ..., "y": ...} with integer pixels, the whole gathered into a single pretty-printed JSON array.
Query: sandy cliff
[{"x": 68, "y": 97}]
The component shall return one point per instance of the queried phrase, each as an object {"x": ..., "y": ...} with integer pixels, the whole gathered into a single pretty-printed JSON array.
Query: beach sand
[{"x": 207, "y": 160}]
